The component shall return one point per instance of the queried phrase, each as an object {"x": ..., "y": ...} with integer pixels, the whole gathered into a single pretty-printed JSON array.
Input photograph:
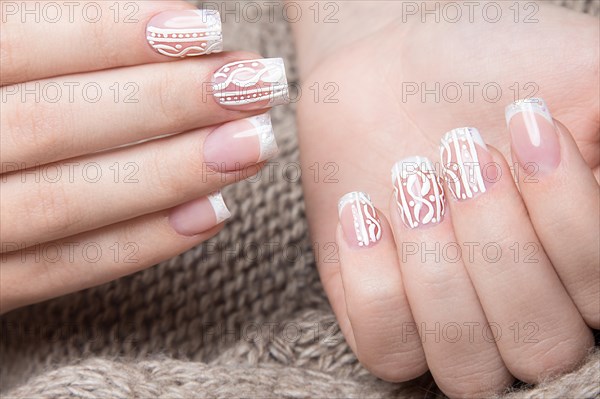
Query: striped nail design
[{"x": 461, "y": 165}]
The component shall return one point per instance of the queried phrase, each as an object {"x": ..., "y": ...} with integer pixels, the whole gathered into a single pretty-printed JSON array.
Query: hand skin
[
  {"x": 150, "y": 194},
  {"x": 371, "y": 126}
]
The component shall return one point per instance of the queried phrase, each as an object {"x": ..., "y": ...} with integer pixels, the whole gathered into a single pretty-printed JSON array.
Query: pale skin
[
  {"x": 380, "y": 295},
  {"x": 119, "y": 224},
  {"x": 377, "y": 295}
]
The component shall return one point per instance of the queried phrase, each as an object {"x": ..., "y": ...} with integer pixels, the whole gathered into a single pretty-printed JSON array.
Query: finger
[
  {"x": 95, "y": 257},
  {"x": 562, "y": 199},
  {"x": 538, "y": 328},
  {"x": 106, "y": 109},
  {"x": 386, "y": 338},
  {"x": 90, "y": 36},
  {"x": 87, "y": 193},
  {"x": 446, "y": 309}
]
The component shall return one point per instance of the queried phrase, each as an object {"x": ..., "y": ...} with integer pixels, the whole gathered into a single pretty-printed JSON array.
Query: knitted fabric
[{"x": 241, "y": 316}]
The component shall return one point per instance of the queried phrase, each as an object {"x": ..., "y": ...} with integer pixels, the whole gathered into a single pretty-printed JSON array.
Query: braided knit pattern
[{"x": 243, "y": 315}]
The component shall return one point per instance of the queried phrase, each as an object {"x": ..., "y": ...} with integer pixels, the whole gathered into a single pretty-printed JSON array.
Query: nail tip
[
  {"x": 267, "y": 140},
  {"x": 535, "y": 104},
  {"x": 350, "y": 197},
  {"x": 218, "y": 204}
]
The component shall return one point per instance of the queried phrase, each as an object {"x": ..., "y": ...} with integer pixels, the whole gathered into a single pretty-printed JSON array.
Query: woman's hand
[
  {"x": 437, "y": 296},
  {"x": 86, "y": 196}
]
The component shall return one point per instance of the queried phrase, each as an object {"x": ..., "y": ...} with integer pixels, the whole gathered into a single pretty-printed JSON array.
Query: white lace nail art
[
  {"x": 460, "y": 162},
  {"x": 218, "y": 203},
  {"x": 535, "y": 105},
  {"x": 418, "y": 192},
  {"x": 367, "y": 225},
  {"x": 185, "y": 33},
  {"x": 261, "y": 82}
]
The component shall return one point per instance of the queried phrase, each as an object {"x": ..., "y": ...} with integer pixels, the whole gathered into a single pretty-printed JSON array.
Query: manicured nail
[
  {"x": 239, "y": 144},
  {"x": 533, "y": 135},
  {"x": 419, "y": 194},
  {"x": 252, "y": 84},
  {"x": 185, "y": 33},
  {"x": 464, "y": 158},
  {"x": 359, "y": 220},
  {"x": 200, "y": 215}
]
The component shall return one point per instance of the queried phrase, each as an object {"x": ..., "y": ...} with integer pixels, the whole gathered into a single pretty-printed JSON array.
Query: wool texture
[{"x": 243, "y": 315}]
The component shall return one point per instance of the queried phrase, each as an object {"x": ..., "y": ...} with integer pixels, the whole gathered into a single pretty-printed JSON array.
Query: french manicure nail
[
  {"x": 464, "y": 157},
  {"x": 418, "y": 192},
  {"x": 185, "y": 33},
  {"x": 533, "y": 134},
  {"x": 251, "y": 85},
  {"x": 359, "y": 220},
  {"x": 239, "y": 144},
  {"x": 200, "y": 215}
]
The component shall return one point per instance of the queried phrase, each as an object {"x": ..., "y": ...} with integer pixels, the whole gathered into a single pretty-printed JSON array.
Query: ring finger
[{"x": 62, "y": 199}]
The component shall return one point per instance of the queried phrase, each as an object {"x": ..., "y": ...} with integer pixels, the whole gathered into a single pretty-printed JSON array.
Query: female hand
[
  {"x": 112, "y": 156},
  {"x": 402, "y": 302}
]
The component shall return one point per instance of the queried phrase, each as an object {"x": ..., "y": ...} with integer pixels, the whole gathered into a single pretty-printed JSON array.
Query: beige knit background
[{"x": 187, "y": 327}]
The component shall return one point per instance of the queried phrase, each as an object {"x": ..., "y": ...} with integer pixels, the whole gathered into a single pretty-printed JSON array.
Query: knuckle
[
  {"x": 172, "y": 110},
  {"x": 474, "y": 380},
  {"x": 396, "y": 367},
  {"x": 36, "y": 129},
  {"x": 548, "y": 358},
  {"x": 50, "y": 208}
]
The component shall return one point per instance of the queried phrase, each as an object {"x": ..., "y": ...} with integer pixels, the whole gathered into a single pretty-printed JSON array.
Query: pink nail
[
  {"x": 419, "y": 194},
  {"x": 533, "y": 134},
  {"x": 465, "y": 158},
  {"x": 251, "y": 84},
  {"x": 185, "y": 33},
  {"x": 239, "y": 144},
  {"x": 359, "y": 220},
  {"x": 200, "y": 215}
]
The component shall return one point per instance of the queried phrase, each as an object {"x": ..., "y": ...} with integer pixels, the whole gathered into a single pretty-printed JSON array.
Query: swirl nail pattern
[
  {"x": 460, "y": 162},
  {"x": 418, "y": 192},
  {"x": 261, "y": 81},
  {"x": 185, "y": 33},
  {"x": 367, "y": 225}
]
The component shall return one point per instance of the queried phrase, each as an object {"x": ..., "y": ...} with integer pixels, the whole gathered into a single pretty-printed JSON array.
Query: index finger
[{"x": 42, "y": 40}]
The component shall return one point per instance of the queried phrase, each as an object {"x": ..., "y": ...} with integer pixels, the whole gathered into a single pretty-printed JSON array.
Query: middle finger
[{"x": 55, "y": 119}]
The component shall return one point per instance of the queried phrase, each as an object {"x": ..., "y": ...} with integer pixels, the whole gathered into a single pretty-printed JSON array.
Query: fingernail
[
  {"x": 359, "y": 220},
  {"x": 251, "y": 85},
  {"x": 185, "y": 33},
  {"x": 200, "y": 215},
  {"x": 239, "y": 144},
  {"x": 464, "y": 157},
  {"x": 419, "y": 194},
  {"x": 533, "y": 134}
]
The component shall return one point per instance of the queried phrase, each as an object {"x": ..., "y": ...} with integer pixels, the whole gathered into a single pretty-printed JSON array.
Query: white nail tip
[
  {"x": 535, "y": 105},
  {"x": 266, "y": 136},
  {"x": 218, "y": 204}
]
